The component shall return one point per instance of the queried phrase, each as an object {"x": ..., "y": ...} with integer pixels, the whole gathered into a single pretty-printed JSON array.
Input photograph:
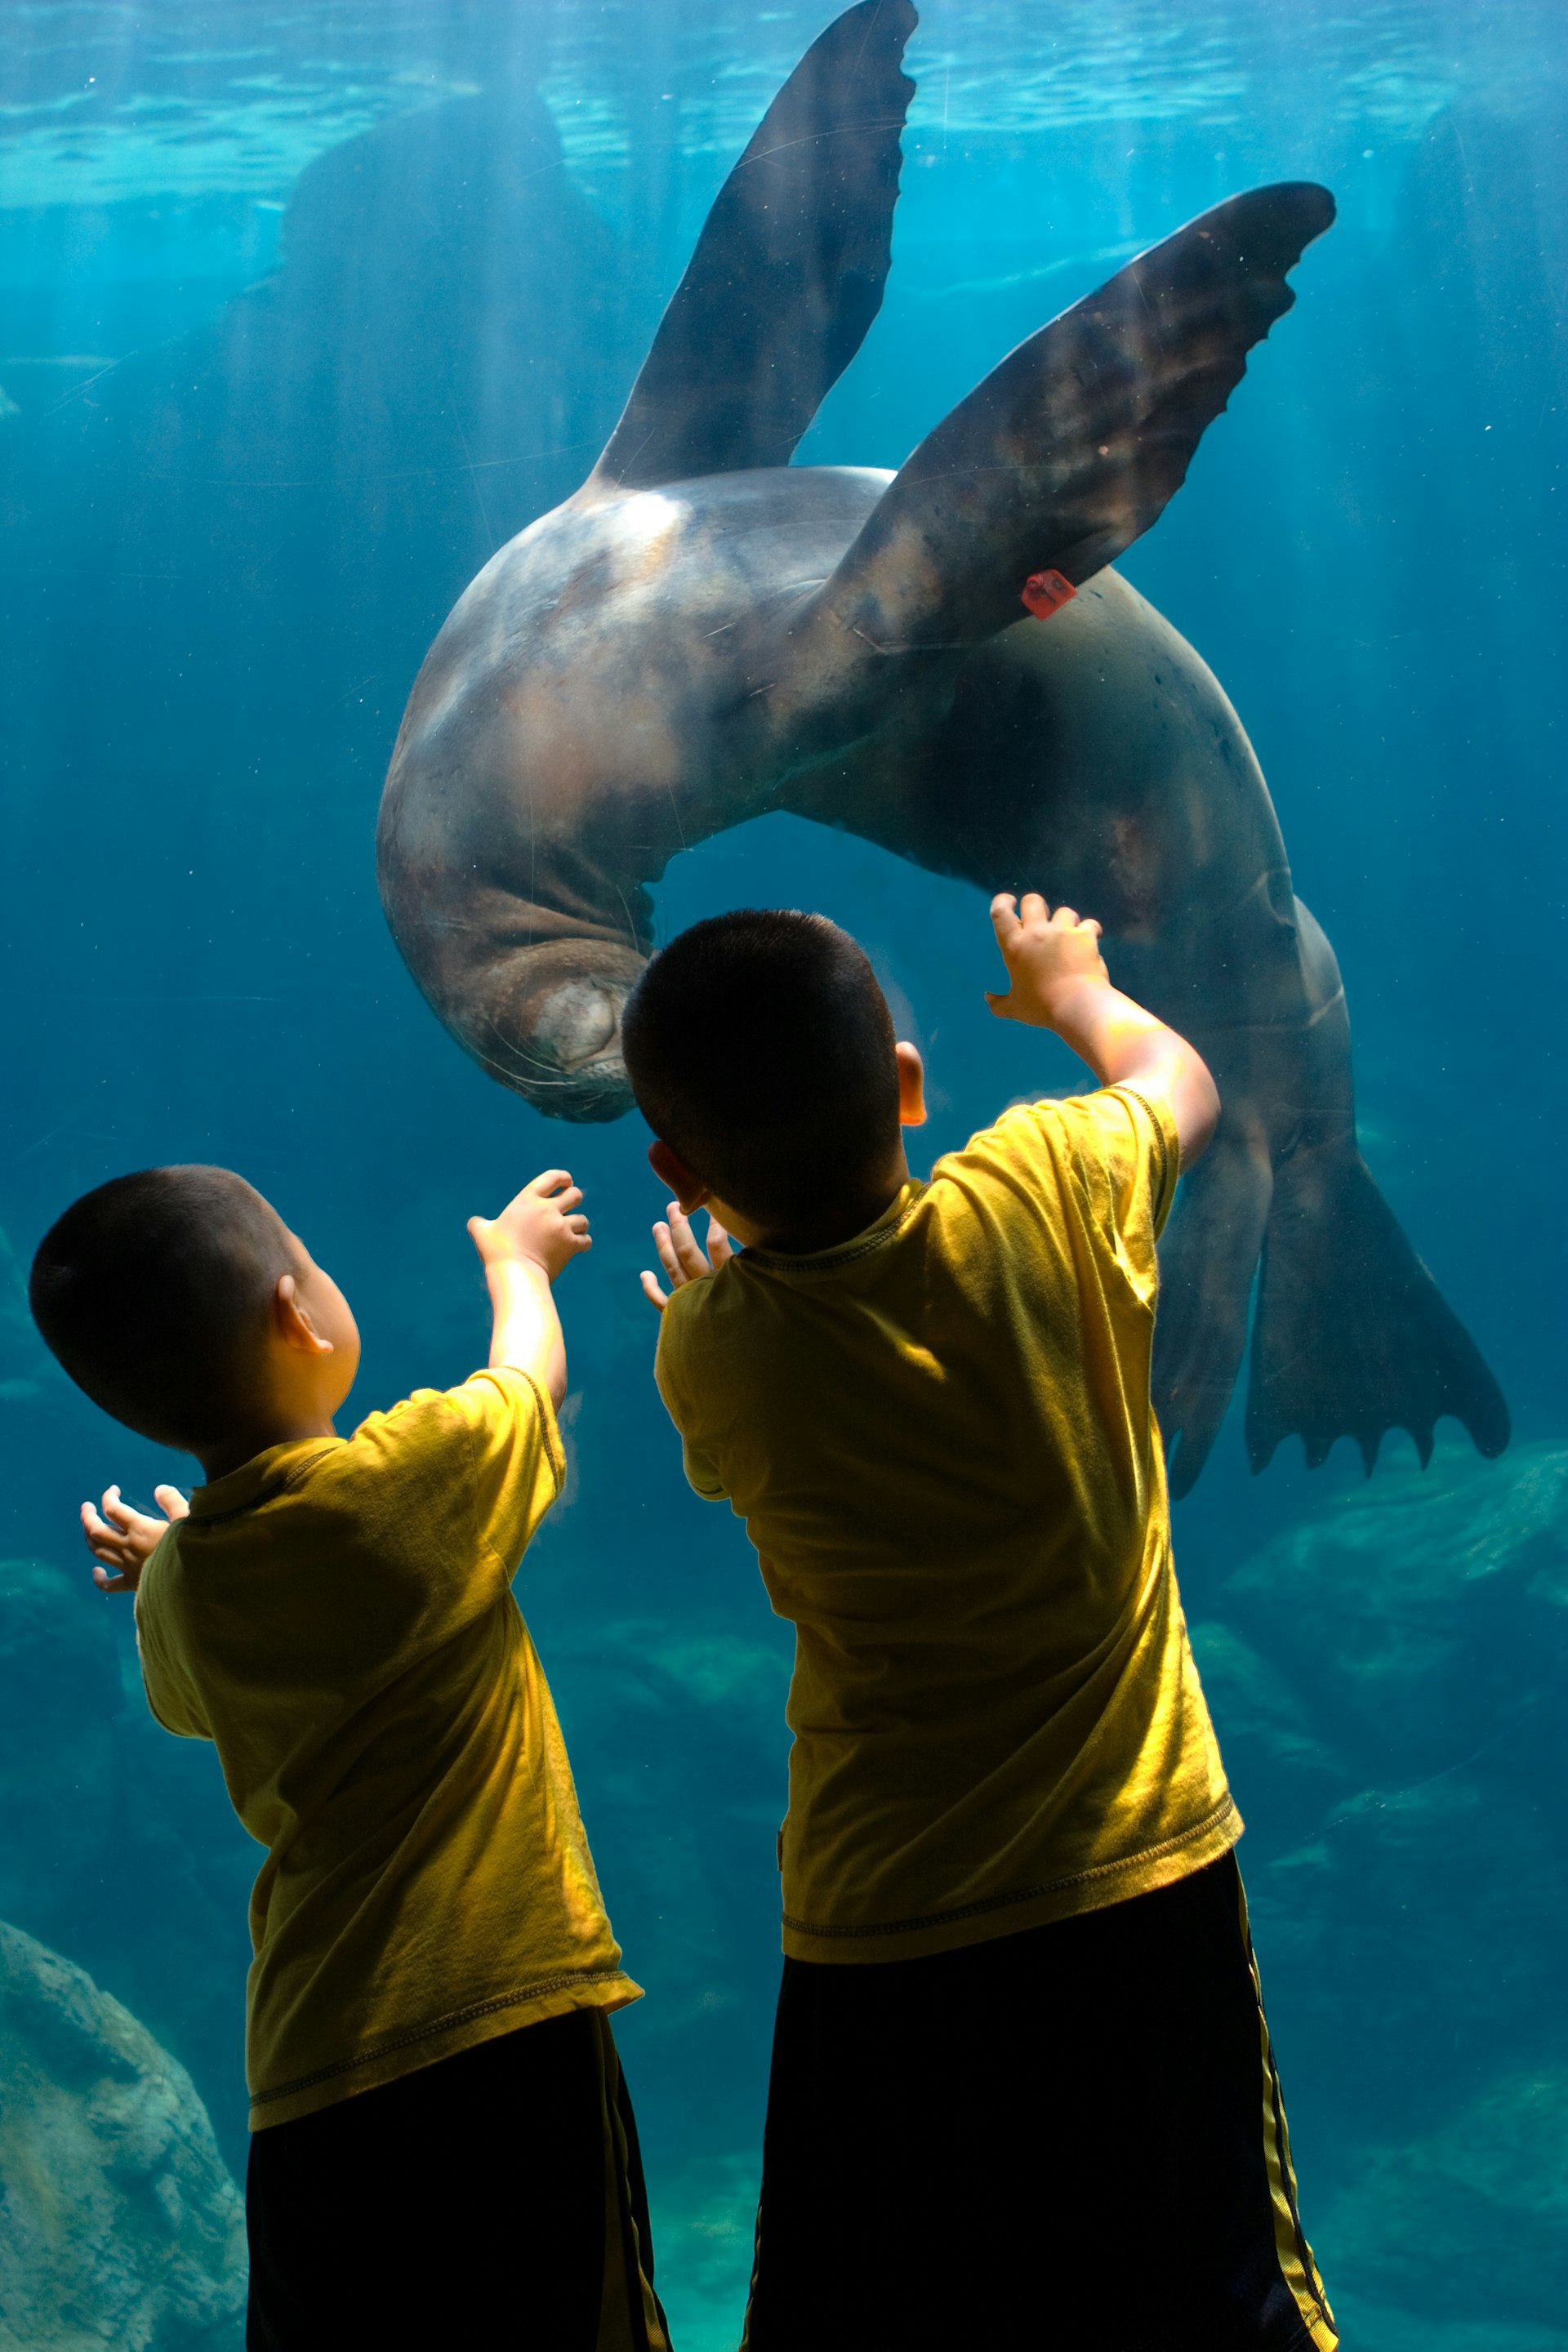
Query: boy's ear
[
  {"x": 293, "y": 1320},
  {"x": 672, "y": 1171},
  {"x": 911, "y": 1086}
]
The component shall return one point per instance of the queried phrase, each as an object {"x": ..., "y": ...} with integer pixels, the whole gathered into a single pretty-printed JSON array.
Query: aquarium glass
[{"x": 304, "y": 312}]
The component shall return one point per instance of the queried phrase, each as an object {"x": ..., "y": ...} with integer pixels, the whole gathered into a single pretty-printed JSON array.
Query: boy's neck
[
  {"x": 841, "y": 1224},
  {"x": 241, "y": 1446}
]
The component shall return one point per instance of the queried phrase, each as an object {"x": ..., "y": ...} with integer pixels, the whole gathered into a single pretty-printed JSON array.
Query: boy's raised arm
[
  {"x": 522, "y": 1251},
  {"x": 1058, "y": 980}
]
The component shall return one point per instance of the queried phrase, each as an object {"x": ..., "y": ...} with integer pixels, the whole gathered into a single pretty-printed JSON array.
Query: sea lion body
[
  {"x": 705, "y": 632},
  {"x": 592, "y": 707}
]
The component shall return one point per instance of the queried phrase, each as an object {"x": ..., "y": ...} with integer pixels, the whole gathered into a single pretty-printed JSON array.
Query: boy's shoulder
[
  {"x": 436, "y": 1440},
  {"x": 1115, "y": 1150}
]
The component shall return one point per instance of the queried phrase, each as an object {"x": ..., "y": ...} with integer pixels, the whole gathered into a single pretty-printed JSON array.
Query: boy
[
  {"x": 443, "y": 2149},
  {"x": 1021, "y": 2089}
]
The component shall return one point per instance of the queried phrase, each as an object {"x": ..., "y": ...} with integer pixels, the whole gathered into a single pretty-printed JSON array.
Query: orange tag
[{"x": 1046, "y": 591}]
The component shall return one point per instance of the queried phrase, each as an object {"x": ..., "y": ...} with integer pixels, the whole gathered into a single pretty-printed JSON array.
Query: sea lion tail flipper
[
  {"x": 1351, "y": 1336},
  {"x": 1207, "y": 1263},
  {"x": 1073, "y": 446},
  {"x": 788, "y": 271}
]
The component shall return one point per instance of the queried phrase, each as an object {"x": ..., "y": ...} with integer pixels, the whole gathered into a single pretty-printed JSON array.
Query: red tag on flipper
[{"x": 1045, "y": 592}]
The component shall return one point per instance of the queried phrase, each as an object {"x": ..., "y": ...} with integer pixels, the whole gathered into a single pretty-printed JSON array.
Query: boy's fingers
[
  {"x": 687, "y": 1250},
  {"x": 1066, "y": 919},
  {"x": 667, "y": 1257},
  {"x": 547, "y": 1181},
  {"x": 118, "y": 1512},
  {"x": 1001, "y": 1005},
  {"x": 651, "y": 1291},
  {"x": 1092, "y": 923},
  {"x": 1004, "y": 914},
  {"x": 170, "y": 1502}
]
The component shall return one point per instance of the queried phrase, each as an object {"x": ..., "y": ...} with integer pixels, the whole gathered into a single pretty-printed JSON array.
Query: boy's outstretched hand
[
  {"x": 124, "y": 1540},
  {"x": 538, "y": 1232},
  {"x": 681, "y": 1255},
  {"x": 541, "y": 1225},
  {"x": 1058, "y": 980},
  {"x": 1048, "y": 958}
]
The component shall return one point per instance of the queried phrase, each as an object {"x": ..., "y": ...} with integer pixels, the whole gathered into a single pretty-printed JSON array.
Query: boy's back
[
  {"x": 1021, "y": 2088},
  {"x": 336, "y": 1616},
  {"x": 939, "y": 1436},
  {"x": 443, "y": 2148}
]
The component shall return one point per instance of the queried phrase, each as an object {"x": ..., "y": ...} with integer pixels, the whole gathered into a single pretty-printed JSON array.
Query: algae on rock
[{"x": 120, "y": 2230}]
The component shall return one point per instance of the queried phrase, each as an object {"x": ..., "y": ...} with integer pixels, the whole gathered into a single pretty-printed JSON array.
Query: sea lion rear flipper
[
  {"x": 788, "y": 272},
  {"x": 1072, "y": 447},
  {"x": 1207, "y": 1263},
  {"x": 1351, "y": 1336}
]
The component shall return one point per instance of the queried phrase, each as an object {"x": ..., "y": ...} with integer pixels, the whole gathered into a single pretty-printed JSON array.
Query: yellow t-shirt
[
  {"x": 939, "y": 1436},
  {"x": 336, "y": 1616}
]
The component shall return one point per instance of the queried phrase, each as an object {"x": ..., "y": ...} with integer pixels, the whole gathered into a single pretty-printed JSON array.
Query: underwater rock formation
[
  {"x": 120, "y": 2230},
  {"x": 1473, "y": 2217},
  {"x": 1428, "y": 1611},
  {"x": 942, "y": 661},
  {"x": 1385, "y": 1679},
  {"x": 118, "y": 1846}
]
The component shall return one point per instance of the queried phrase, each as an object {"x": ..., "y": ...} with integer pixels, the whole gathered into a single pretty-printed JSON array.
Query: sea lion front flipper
[
  {"x": 1071, "y": 447},
  {"x": 788, "y": 272},
  {"x": 1351, "y": 1336}
]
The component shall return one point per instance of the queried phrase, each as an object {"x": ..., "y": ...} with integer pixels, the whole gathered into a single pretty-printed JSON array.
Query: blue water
[{"x": 233, "y": 519}]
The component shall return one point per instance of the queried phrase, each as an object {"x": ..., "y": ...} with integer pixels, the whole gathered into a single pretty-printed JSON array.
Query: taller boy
[{"x": 1022, "y": 2090}]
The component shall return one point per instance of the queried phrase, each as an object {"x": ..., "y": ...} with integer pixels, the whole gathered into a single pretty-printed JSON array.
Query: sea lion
[{"x": 704, "y": 632}]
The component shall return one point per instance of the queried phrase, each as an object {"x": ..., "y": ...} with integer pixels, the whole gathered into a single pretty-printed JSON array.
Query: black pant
[
  {"x": 463, "y": 2205},
  {"x": 1059, "y": 2140}
]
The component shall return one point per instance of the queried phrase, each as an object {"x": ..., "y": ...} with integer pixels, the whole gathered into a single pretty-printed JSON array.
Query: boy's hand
[
  {"x": 681, "y": 1256},
  {"x": 124, "y": 1540},
  {"x": 539, "y": 1227},
  {"x": 1060, "y": 983},
  {"x": 1050, "y": 958}
]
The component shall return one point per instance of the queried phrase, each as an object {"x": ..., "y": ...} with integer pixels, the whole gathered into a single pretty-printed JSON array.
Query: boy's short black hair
[
  {"x": 760, "y": 1047},
  {"x": 151, "y": 1292}
]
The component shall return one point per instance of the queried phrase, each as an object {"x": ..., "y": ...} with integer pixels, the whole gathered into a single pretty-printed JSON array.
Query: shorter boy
[
  {"x": 444, "y": 2150},
  {"x": 1022, "y": 2092}
]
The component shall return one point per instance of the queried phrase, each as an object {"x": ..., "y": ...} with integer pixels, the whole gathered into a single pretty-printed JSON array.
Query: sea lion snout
[
  {"x": 578, "y": 1029},
  {"x": 578, "y": 1024},
  {"x": 546, "y": 1021}
]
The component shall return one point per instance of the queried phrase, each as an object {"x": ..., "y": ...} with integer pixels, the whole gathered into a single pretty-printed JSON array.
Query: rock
[
  {"x": 120, "y": 2226},
  {"x": 116, "y": 1843},
  {"x": 1471, "y": 2222},
  {"x": 1410, "y": 1640},
  {"x": 1271, "y": 1739},
  {"x": 1414, "y": 1944},
  {"x": 1424, "y": 1613}
]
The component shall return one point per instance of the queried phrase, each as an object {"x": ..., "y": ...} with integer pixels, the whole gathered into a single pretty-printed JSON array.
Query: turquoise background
[{"x": 303, "y": 311}]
